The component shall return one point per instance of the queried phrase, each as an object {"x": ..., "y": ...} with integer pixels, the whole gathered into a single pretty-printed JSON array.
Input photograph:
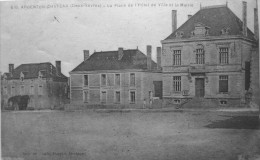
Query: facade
[
  {"x": 34, "y": 86},
  {"x": 123, "y": 78},
  {"x": 213, "y": 58}
]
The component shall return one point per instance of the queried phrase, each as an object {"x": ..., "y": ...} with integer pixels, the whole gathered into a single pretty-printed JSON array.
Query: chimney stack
[
  {"x": 58, "y": 68},
  {"x": 11, "y": 69},
  {"x": 149, "y": 56},
  {"x": 244, "y": 18},
  {"x": 120, "y": 53},
  {"x": 189, "y": 16},
  {"x": 86, "y": 54},
  {"x": 256, "y": 29},
  {"x": 174, "y": 20},
  {"x": 159, "y": 59}
]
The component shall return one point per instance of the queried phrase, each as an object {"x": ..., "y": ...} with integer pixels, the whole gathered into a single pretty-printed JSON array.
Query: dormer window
[
  {"x": 200, "y": 30},
  {"x": 21, "y": 76},
  {"x": 42, "y": 73},
  {"x": 179, "y": 34},
  {"x": 225, "y": 31}
]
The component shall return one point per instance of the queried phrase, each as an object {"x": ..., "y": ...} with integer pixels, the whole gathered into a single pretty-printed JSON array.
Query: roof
[
  {"x": 108, "y": 60},
  {"x": 31, "y": 70},
  {"x": 216, "y": 18}
]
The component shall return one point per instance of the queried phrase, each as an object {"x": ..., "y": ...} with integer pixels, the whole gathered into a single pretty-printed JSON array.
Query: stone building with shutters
[
  {"x": 43, "y": 83},
  {"x": 121, "y": 78},
  {"x": 212, "y": 59}
]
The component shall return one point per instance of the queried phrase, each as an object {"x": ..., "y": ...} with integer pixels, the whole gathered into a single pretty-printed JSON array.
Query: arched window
[{"x": 200, "y": 54}]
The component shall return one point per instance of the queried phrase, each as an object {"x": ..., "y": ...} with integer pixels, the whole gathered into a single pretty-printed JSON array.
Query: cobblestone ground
[{"x": 60, "y": 135}]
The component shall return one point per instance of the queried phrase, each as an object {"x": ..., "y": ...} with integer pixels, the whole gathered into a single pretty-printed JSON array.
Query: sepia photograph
[{"x": 129, "y": 80}]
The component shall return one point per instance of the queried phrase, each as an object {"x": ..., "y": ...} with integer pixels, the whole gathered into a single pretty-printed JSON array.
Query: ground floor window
[
  {"x": 117, "y": 96},
  {"x": 86, "y": 96},
  {"x": 223, "y": 84},
  {"x": 132, "y": 96},
  {"x": 176, "y": 83},
  {"x": 103, "y": 97}
]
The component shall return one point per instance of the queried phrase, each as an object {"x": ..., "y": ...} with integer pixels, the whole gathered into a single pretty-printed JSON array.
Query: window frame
[
  {"x": 222, "y": 79},
  {"x": 84, "y": 80},
  {"x": 130, "y": 84},
  {"x": 116, "y": 101},
  {"x": 101, "y": 97},
  {"x": 176, "y": 57},
  {"x": 119, "y": 79},
  {"x": 224, "y": 55},
  {"x": 176, "y": 84},
  {"x": 101, "y": 80},
  {"x": 130, "y": 96}
]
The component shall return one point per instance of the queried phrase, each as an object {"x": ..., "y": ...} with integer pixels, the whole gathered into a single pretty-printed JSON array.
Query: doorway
[{"x": 199, "y": 87}]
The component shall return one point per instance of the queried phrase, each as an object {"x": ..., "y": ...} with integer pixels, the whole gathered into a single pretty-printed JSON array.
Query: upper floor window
[
  {"x": 32, "y": 90},
  {"x": 5, "y": 90},
  {"x": 21, "y": 76},
  {"x": 117, "y": 79},
  {"x": 176, "y": 83},
  {"x": 223, "y": 55},
  {"x": 223, "y": 84},
  {"x": 103, "y": 80},
  {"x": 22, "y": 90},
  {"x": 200, "y": 56},
  {"x": 176, "y": 57},
  {"x": 85, "y": 80},
  {"x": 40, "y": 90},
  {"x": 132, "y": 79},
  {"x": 12, "y": 90}
]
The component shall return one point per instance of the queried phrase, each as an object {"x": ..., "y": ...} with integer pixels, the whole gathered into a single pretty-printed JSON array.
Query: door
[{"x": 199, "y": 87}]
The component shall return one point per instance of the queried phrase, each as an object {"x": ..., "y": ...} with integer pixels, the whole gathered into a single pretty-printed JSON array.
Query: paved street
[{"x": 131, "y": 135}]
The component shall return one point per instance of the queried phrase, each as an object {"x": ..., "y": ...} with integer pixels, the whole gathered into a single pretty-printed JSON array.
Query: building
[
  {"x": 34, "y": 86},
  {"x": 122, "y": 78},
  {"x": 212, "y": 59}
]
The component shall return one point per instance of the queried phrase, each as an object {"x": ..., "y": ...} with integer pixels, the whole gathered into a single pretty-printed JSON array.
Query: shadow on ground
[{"x": 237, "y": 122}]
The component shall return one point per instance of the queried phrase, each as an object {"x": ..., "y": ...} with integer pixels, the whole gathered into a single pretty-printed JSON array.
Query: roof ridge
[{"x": 214, "y": 6}]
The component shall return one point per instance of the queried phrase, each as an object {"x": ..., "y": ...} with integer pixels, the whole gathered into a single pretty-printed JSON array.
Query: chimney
[
  {"x": 159, "y": 53},
  {"x": 11, "y": 69},
  {"x": 149, "y": 56},
  {"x": 174, "y": 20},
  {"x": 244, "y": 10},
  {"x": 256, "y": 29},
  {"x": 120, "y": 53},
  {"x": 58, "y": 68},
  {"x": 86, "y": 54},
  {"x": 189, "y": 16}
]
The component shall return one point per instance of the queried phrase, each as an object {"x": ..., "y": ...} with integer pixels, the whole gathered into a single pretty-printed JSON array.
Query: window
[
  {"x": 176, "y": 57},
  {"x": 176, "y": 83},
  {"x": 85, "y": 80},
  {"x": 132, "y": 96},
  {"x": 42, "y": 74},
  {"x": 86, "y": 96},
  {"x": 132, "y": 79},
  {"x": 103, "y": 97},
  {"x": 5, "y": 90},
  {"x": 223, "y": 55},
  {"x": 40, "y": 90},
  {"x": 21, "y": 76},
  {"x": 103, "y": 80},
  {"x": 223, "y": 84},
  {"x": 12, "y": 90},
  {"x": 117, "y": 96},
  {"x": 117, "y": 80},
  {"x": 200, "y": 56},
  {"x": 22, "y": 90},
  {"x": 31, "y": 90}
]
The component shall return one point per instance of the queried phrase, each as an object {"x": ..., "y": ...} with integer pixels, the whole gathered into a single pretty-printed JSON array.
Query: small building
[
  {"x": 212, "y": 59},
  {"x": 121, "y": 78},
  {"x": 34, "y": 86}
]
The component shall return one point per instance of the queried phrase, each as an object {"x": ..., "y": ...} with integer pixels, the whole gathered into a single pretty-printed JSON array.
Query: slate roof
[
  {"x": 108, "y": 60},
  {"x": 31, "y": 70},
  {"x": 215, "y": 17}
]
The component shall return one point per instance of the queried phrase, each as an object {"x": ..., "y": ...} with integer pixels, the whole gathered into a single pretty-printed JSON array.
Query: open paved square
[{"x": 60, "y": 135}]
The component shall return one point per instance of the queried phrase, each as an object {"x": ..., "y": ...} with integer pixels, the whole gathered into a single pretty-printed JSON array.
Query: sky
[{"x": 64, "y": 28}]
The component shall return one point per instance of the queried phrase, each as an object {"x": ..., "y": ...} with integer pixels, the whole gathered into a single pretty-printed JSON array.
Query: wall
[
  {"x": 52, "y": 93},
  {"x": 239, "y": 52},
  {"x": 144, "y": 82}
]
